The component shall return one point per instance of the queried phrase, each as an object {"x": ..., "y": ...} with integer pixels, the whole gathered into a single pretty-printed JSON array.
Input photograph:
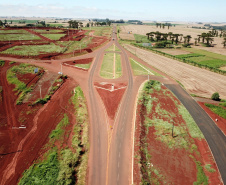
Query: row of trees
[
  {"x": 163, "y": 25},
  {"x": 98, "y": 24},
  {"x": 75, "y": 24}
]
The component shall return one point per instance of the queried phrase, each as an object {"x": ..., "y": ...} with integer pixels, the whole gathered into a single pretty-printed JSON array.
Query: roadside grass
[
  {"x": 209, "y": 169},
  {"x": 166, "y": 130},
  {"x": 106, "y": 70},
  {"x": 113, "y": 48},
  {"x": 100, "y": 30},
  {"x": 33, "y": 50},
  {"x": 217, "y": 110},
  {"x": 139, "y": 69},
  {"x": 53, "y": 36},
  {"x": 84, "y": 66},
  {"x": 118, "y": 65},
  {"x": 20, "y": 86},
  {"x": 47, "y": 30},
  {"x": 7, "y": 37},
  {"x": 64, "y": 165},
  {"x": 141, "y": 38}
]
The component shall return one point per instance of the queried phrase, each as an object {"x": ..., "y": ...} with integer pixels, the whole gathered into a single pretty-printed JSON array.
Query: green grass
[
  {"x": 113, "y": 48},
  {"x": 54, "y": 36},
  {"x": 139, "y": 69},
  {"x": 217, "y": 110},
  {"x": 14, "y": 31},
  {"x": 26, "y": 21},
  {"x": 193, "y": 129},
  {"x": 20, "y": 86},
  {"x": 141, "y": 38},
  {"x": 100, "y": 30},
  {"x": 45, "y": 172},
  {"x": 45, "y": 30},
  {"x": 223, "y": 104},
  {"x": 118, "y": 65},
  {"x": 84, "y": 66},
  {"x": 59, "y": 130},
  {"x": 209, "y": 169},
  {"x": 33, "y": 50},
  {"x": 108, "y": 65},
  {"x": 7, "y": 37}
]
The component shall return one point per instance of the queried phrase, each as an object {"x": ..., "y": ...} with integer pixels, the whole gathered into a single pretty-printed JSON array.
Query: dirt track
[{"x": 196, "y": 80}]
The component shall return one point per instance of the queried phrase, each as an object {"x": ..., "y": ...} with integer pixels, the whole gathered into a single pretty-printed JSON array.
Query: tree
[
  {"x": 215, "y": 96},
  {"x": 224, "y": 42}
]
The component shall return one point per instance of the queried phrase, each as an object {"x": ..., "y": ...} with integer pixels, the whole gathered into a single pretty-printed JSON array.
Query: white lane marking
[{"x": 143, "y": 67}]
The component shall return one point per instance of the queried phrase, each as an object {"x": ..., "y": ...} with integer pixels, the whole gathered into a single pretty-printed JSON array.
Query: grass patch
[
  {"x": 107, "y": 66},
  {"x": 49, "y": 31},
  {"x": 33, "y": 50},
  {"x": 113, "y": 48},
  {"x": 14, "y": 31},
  {"x": 209, "y": 169},
  {"x": 84, "y": 66},
  {"x": 54, "y": 36},
  {"x": 20, "y": 86},
  {"x": 193, "y": 129},
  {"x": 100, "y": 30},
  {"x": 7, "y": 37},
  {"x": 217, "y": 110},
  {"x": 118, "y": 66},
  {"x": 139, "y": 69},
  {"x": 141, "y": 38}
]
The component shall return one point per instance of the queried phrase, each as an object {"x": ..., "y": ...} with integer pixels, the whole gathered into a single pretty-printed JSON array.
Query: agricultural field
[
  {"x": 100, "y": 31},
  {"x": 178, "y": 29},
  {"x": 49, "y": 31},
  {"x": 167, "y": 134},
  {"x": 53, "y": 36},
  {"x": 33, "y": 50},
  {"x": 11, "y": 37}
]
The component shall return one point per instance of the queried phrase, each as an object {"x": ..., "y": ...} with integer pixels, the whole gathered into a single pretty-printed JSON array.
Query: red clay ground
[
  {"x": 80, "y": 61},
  {"x": 221, "y": 123},
  {"x": 174, "y": 164},
  {"x": 14, "y": 152},
  {"x": 111, "y": 97}
]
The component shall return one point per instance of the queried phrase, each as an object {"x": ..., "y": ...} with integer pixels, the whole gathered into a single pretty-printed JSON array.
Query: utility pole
[
  {"x": 40, "y": 87},
  {"x": 61, "y": 69}
]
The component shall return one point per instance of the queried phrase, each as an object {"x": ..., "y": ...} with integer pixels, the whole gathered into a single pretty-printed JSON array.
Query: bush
[{"x": 215, "y": 96}]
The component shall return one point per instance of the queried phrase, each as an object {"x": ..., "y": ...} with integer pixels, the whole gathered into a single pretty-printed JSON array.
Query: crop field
[
  {"x": 13, "y": 31},
  {"x": 167, "y": 134},
  {"x": 34, "y": 50},
  {"x": 54, "y": 36},
  {"x": 7, "y": 37}
]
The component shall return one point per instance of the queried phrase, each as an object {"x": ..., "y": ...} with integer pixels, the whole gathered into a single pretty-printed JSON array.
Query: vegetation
[
  {"x": 20, "y": 86},
  {"x": 217, "y": 110},
  {"x": 209, "y": 169},
  {"x": 141, "y": 38},
  {"x": 8, "y": 37},
  {"x": 204, "y": 64},
  {"x": 54, "y": 36},
  {"x": 108, "y": 65},
  {"x": 49, "y": 31},
  {"x": 100, "y": 31},
  {"x": 84, "y": 66},
  {"x": 64, "y": 165},
  {"x": 215, "y": 96},
  {"x": 139, "y": 69},
  {"x": 14, "y": 31},
  {"x": 113, "y": 48},
  {"x": 34, "y": 50}
]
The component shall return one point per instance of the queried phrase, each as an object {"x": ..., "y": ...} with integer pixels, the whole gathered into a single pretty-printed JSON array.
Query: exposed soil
[
  {"x": 221, "y": 122},
  {"x": 111, "y": 96},
  {"x": 175, "y": 165}
]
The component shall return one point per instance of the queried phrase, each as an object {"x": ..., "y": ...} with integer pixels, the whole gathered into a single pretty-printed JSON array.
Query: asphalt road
[{"x": 214, "y": 136}]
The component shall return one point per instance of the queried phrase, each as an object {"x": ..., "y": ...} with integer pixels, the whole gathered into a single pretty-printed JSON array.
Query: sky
[{"x": 158, "y": 10}]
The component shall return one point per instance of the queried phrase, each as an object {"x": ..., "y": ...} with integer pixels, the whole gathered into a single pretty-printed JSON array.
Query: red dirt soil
[
  {"x": 111, "y": 99},
  {"x": 221, "y": 122},
  {"x": 175, "y": 164}
]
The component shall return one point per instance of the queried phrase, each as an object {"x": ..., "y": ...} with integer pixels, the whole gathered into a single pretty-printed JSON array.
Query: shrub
[{"x": 215, "y": 96}]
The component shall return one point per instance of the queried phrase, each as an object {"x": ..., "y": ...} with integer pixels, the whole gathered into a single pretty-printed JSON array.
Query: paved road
[{"x": 215, "y": 138}]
